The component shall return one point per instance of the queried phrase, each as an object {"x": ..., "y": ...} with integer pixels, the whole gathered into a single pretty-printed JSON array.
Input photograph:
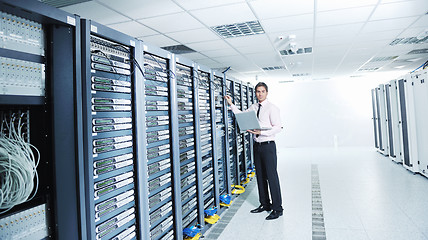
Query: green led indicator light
[
  {"x": 100, "y": 87},
  {"x": 106, "y": 190},
  {"x": 105, "y": 162},
  {"x": 103, "y": 170},
  {"x": 103, "y": 184}
]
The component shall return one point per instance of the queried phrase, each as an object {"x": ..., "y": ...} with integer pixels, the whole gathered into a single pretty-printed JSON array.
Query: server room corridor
[{"x": 365, "y": 196}]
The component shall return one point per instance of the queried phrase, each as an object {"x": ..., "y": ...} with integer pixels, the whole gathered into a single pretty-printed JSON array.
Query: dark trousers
[{"x": 265, "y": 161}]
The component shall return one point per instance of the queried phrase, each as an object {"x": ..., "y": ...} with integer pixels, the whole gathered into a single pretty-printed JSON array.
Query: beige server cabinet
[
  {"x": 393, "y": 121},
  {"x": 382, "y": 130},
  {"x": 409, "y": 148},
  {"x": 420, "y": 81}
]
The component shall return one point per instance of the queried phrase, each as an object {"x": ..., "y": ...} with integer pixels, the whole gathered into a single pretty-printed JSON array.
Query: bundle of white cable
[{"x": 18, "y": 175}]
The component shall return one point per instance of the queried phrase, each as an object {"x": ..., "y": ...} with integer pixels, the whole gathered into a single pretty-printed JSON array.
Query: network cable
[{"x": 18, "y": 174}]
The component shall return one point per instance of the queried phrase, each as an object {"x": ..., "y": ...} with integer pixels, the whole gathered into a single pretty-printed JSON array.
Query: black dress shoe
[
  {"x": 274, "y": 215},
  {"x": 260, "y": 209}
]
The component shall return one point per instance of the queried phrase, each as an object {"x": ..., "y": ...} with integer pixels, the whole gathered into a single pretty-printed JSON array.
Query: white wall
[{"x": 326, "y": 113}]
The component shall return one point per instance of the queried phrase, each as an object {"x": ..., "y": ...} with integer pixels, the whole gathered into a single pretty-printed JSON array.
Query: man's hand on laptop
[{"x": 254, "y": 131}]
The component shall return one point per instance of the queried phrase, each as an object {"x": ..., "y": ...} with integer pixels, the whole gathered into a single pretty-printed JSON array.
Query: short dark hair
[{"x": 261, "y": 84}]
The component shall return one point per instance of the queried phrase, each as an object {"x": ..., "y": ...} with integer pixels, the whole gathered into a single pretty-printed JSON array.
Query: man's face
[{"x": 261, "y": 93}]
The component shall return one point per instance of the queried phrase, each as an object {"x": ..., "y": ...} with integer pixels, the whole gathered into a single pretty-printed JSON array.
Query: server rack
[
  {"x": 393, "y": 121},
  {"x": 251, "y": 100},
  {"x": 247, "y": 136},
  {"x": 382, "y": 125},
  {"x": 407, "y": 124},
  {"x": 421, "y": 115},
  {"x": 40, "y": 81},
  {"x": 232, "y": 137},
  {"x": 221, "y": 134},
  {"x": 210, "y": 189},
  {"x": 111, "y": 139},
  {"x": 375, "y": 117},
  {"x": 239, "y": 92},
  {"x": 189, "y": 147},
  {"x": 163, "y": 215}
]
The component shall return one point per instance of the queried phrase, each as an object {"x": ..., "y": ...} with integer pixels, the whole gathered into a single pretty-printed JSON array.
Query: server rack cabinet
[
  {"x": 247, "y": 136},
  {"x": 231, "y": 136},
  {"x": 420, "y": 80},
  {"x": 375, "y": 117},
  {"x": 407, "y": 123},
  {"x": 111, "y": 140},
  {"x": 238, "y": 91},
  {"x": 220, "y": 134},
  {"x": 189, "y": 143},
  {"x": 163, "y": 158},
  {"x": 382, "y": 126},
  {"x": 388, "y": 121},
  {"x": 251, "y": 100},
  {"x": 207, "y": 133},
  {"x": 394, "y": 133},
  {"x": 40, "y": 81}
]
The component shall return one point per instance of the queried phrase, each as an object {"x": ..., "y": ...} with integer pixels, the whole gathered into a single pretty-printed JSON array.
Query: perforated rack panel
[
  {"x": 158, "y": 137},
  {"x": 111, "y": 141}
]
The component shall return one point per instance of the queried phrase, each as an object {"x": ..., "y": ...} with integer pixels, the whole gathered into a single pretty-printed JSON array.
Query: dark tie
[{"x": 258, "y": 111}]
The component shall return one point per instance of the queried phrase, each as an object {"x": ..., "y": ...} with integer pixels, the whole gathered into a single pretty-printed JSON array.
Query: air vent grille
[
  {"x": 372, "y": 69},
  {"x": 62, "y": 3},
  {"x": 419, "y": 51},
  {"x": 273, "y": 68},
  {"x": 383, "y": 59},
  {"x": 409, "y": 40},
  {"x": 239, "y": 29},
  {"x": 179, "y": 49},
  {"x": 300, "y": 74},
  {"x": 287, "y": 81},
  {"x": 288, "y": 52}
]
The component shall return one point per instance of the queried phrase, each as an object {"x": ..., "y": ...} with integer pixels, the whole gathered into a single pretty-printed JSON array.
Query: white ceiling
[{"x": 345, "y": 35}]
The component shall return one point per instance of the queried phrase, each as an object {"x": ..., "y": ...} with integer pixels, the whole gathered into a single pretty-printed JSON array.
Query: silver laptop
[{"x": 248, "y": 121}]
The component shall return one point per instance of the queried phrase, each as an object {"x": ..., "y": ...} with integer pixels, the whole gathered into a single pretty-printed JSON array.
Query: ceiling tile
[
  {"x": 349, "y": 30},
  {"x": 222, "y": 15},
  {"x": 343, "y": 16},
  {"x": 194, "y": 56},
  {"x": 333, "y": 41},
  {"x": 209, "y": 63},
  {"x": 195, "y": 35},
  {"x": 266, "y": 59},
  {"x": 208, "y": 45},
  {"x": 159, "y": 40},
  {"x": 102, "y": 14},
  {"x": 253, "y": 40},
  {"x": 255, "y": 49},
  {"x": 172, "y": 23},
  {"x": 327, "y": 5},
  {"x": 331, "y": 51},
  {"x": 288, "y": 24},
  {"x": 220, "y": 53},
  {"x": 413, "y": 32},
  {"x": 400, "y": 9},
  {"x": 137, "y": 9},
  {"x": 265, "y": 9},
  {"x": 133, "y": 29},
  {"x": 379, "y": 35},
  {"x": 198, "y": 4},
  {"x": 421, "y": 22},
  {"x": 391, "y": 24}
]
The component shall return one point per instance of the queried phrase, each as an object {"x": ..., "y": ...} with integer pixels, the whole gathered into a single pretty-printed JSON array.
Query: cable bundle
[{"x": 18, "y": 175}]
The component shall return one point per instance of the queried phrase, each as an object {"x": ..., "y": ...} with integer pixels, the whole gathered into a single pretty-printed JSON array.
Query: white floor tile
[{"x": 365, "y": 196}]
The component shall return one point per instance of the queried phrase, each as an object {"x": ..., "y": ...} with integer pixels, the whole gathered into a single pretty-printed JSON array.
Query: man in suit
[{"x": 265, "y": 158}]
